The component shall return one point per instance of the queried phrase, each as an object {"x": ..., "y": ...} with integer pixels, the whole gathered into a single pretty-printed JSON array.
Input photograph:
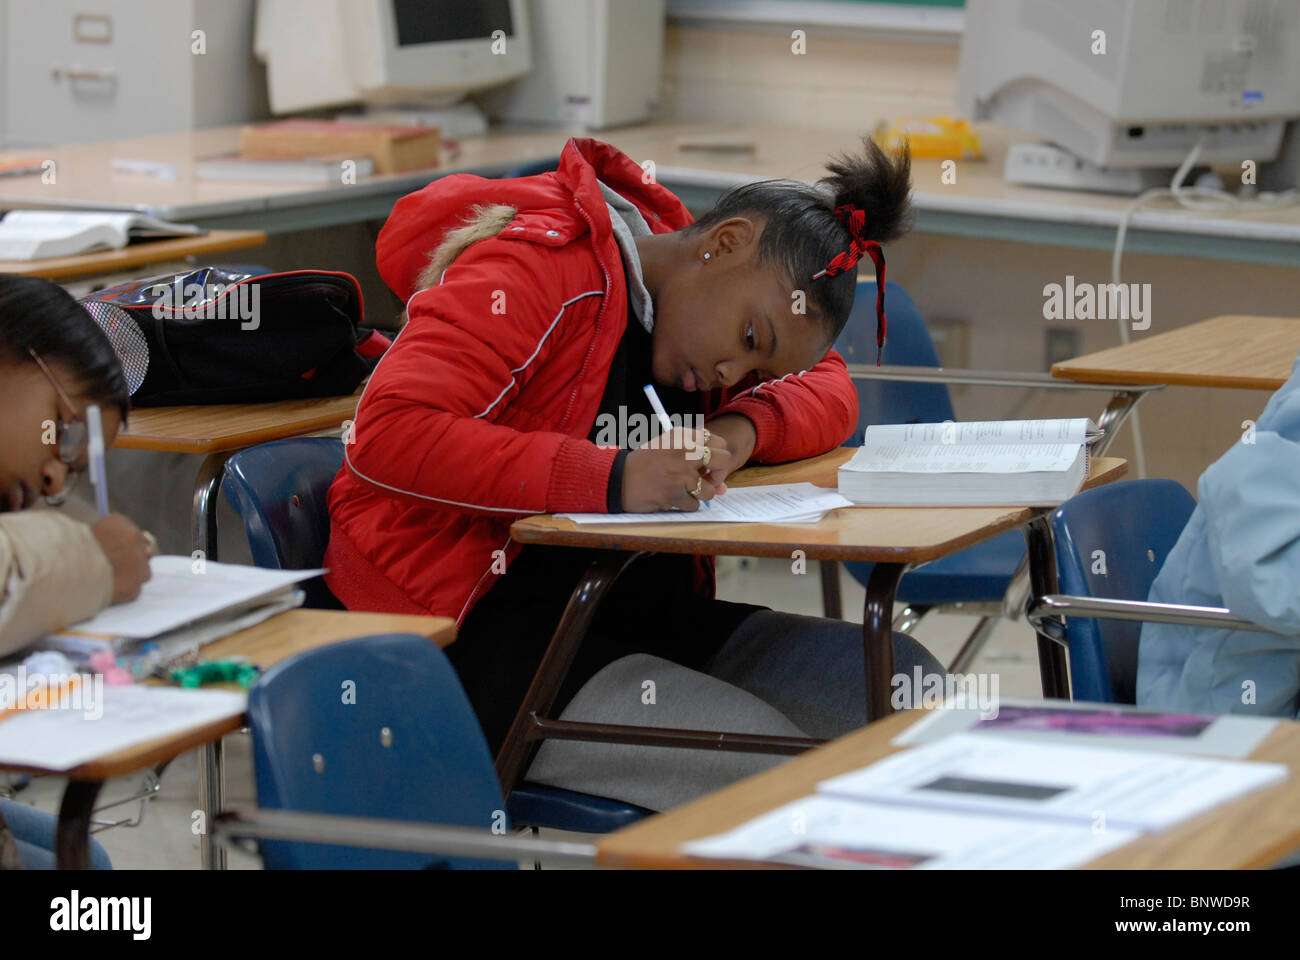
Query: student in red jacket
[{"x": 537, "y": 309}]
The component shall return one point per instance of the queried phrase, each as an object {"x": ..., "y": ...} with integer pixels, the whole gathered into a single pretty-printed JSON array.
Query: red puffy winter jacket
[{"x": 480, "y": 411}]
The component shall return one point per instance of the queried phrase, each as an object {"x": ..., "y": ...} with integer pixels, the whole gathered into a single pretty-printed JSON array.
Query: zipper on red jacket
[{"x": 604, "y": 303}]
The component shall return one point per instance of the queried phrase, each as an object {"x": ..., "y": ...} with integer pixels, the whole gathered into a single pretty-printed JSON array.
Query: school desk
[
  {"x": 977, "y": 203},
  {"x": 265, "y": 644},
  {"x": 221, "y": 430},
  {"x": 1235, "y": 351},
  {"x": 1254, "y": 831},
  {"x": 893, "y": 538},
  {"x": 141, "y": 254}
]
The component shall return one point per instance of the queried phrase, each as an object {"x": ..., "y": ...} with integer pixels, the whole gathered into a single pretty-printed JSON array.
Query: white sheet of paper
[
  {"x": 63, "y": 738},
  {"x": 1224, "y": 735},
  {"x": 177, "y": 595},
  {"x": 837, "y": 834},
  {"x": 1126, "y": 790},
  {"x": 768, "y": 503}
]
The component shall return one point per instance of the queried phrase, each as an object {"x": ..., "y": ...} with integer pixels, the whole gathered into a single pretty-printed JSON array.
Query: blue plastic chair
[
  {"x": 1134, "y": 524},
  {"x": 405, "y": 745},
  {"x": 980, "y": 574},
  {"x": 279, "y": 490}
]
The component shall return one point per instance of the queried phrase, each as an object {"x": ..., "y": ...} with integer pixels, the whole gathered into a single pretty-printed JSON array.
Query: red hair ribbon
[{"x": 854, "y": 220}]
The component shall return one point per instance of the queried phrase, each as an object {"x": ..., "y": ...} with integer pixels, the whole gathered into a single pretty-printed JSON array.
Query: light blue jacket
[{"x": 1240, "y": 550}]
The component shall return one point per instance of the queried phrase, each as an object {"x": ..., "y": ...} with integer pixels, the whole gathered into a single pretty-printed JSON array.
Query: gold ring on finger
[
  {"x": 699, "y": 487},
  {"x": 706, "y": 457}
]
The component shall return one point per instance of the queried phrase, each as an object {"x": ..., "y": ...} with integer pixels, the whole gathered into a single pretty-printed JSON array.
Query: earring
[{"x": 707, "y": 256}]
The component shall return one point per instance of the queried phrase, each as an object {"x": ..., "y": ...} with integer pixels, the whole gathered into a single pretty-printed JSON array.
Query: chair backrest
[
  {"x": 371, "y": 727},
  {"x": 1111, "y": 542},
  {"x": 279, "y": 490},
  {"x": 908, "y": 343}
]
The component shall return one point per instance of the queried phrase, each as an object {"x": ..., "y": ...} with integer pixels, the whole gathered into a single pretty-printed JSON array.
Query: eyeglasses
[{"x": 71, "y": 436}]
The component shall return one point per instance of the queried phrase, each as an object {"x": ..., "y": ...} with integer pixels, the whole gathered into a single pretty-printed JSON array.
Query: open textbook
[
  {"x": 980, "y": 463},
  {"x": 769, "y": 503},
  {"x": 38, "y": 234},
  {"x": 183, "y": 592}
]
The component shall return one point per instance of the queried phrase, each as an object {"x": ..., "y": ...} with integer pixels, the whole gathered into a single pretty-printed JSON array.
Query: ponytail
[{"x": 817, "y": 234}]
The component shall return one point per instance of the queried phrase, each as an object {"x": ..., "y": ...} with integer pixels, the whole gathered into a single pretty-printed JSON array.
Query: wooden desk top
[
  {"x": 1244, "y": 352},
  {"x": 879, "y": 534},
  {"x": 1253, "y": 832},
  {"x": 265, "y": 644},
  {"x": 135, "y": 255},
  {"x": 224, "y": 427}
]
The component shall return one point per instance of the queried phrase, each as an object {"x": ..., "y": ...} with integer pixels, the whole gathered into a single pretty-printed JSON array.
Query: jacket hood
[{"x": 420, "y": 220}]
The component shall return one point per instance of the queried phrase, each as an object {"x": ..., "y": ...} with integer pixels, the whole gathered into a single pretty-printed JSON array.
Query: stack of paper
[
  {"x": 836, "y": 834},
  {"x": 770, "y": 503},
  {"x": 984, "y": 801},
  {"x": 100, "y": 720},
  {"x": 1123, "y": 789}
]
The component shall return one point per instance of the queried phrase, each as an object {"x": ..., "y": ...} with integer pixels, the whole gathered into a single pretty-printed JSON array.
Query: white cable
[{"x": 1201, "y": 200}]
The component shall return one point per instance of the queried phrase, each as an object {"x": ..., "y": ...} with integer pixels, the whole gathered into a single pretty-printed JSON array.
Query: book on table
[
  {"x": 41, "y": 234},
  {"x": 975, "y": 464}
]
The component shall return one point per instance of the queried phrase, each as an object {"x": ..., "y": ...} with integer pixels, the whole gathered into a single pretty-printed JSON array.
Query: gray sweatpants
[{"x": 778, "y": 674}]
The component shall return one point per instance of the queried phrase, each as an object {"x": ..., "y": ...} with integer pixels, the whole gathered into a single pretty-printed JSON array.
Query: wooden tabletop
[
  {"x": 223, "y": 427},
  {"x": 1242, "y": 352},
  {"x": 879, "y": 534},
  {"x": 1255, "y": 831},
  {"x": 135, "y": 255},
  {"x": 265, "y": 644}
]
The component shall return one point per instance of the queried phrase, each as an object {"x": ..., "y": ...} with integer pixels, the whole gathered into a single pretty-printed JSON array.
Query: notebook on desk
[{"x": 181, "y": 594}]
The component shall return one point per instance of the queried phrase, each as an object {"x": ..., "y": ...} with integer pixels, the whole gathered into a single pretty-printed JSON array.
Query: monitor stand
[
  {"x": 455, "y": 122},
  {"x": 1047, "y": 165}
]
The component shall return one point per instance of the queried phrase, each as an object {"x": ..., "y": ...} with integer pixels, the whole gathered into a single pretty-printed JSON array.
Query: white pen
[
  {"x": 95, "y": 455},
  {"x": 665, "y": 421}
]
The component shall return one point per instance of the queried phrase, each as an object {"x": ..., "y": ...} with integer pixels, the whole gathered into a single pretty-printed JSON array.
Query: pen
[
  {"x": 95, "y": 454},
  {"x": 665, "y": 422}
]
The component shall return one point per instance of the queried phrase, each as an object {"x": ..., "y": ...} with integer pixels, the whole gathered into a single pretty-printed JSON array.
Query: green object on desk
[{"x": 217, "y": 671}]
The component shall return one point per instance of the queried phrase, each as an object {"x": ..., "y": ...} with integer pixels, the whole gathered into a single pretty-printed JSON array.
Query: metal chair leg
[{"x": 1053, "y": 664}]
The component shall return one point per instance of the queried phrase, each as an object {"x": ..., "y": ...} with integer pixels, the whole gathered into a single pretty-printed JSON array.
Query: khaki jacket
[{"x": 52, "y": 574}]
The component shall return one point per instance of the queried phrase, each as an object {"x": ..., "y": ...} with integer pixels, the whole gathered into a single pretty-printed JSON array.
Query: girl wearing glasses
[{"x": 54, "y": 361}]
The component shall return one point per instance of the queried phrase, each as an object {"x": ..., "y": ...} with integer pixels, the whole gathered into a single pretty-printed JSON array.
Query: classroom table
[
  {"x": 219, "y": 431},
  {"x": 1232, "y": 351},
  {"x": 138, "y": 254},
  {"x": 265, "y": 644},
  {"x": 1253, "y": 831},
  {"x": 893, "y": 538}
]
